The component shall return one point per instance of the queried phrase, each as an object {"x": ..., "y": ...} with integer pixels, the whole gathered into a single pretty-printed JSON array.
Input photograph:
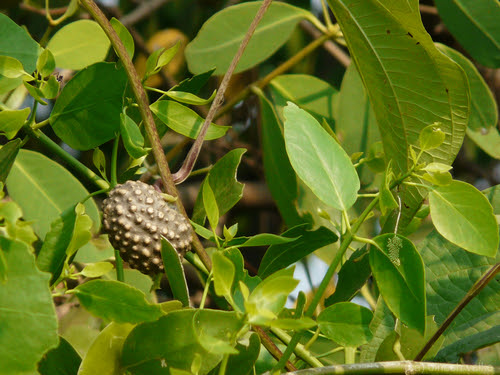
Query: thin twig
[
  {"x": 474, "y": 291},
  {"x": 43, "y": 12},
  {"x": 428, "y": 9},
  {"x": 271, "y": 347},
  {"x": 142, "y": 11},
  {"x": 190, "y": 160},
  {"x": 332, "y": 48}
]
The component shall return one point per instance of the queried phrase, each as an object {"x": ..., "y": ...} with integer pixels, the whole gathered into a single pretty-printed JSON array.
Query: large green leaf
[
  {"x": 346, "y": 323},
  {"x": 381, "y": 326},
  {"x": 116, "y": 301},
  {"x": 44, "y": 190},
  {"x": 87, "y": 112},
  {"x": 79, "y": 44},
  {"x": 410, "y": 83},
  {"x": 282, "y": 255},
  {"x": 475, "y": 25},
  {"x": 280, "y": 176},
  {"x": 399, "y": 271},
  {"x": 103, "y": 356},
  {"x": 482, "y": 127},
  {"x": 464, "y": 217},
  {"x": 219, "y": 38},
  {"x": 183, "y": 120},
  {"x": 16, "y": 42},
  {"x": 308, "y": 92},
  {"x": 173, "y": 341},
  {"x": 226, "y": 188},
  {"x": 63, "y": 360},
  {"x": 27, "y": 314},
  {"x": 319, "y": 160}
]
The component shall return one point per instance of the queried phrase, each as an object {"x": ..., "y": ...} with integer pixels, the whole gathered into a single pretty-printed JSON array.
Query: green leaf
[
  {"x": 28, "y": 318},
  {"x": 174, "y": 272},
  {"x": 68, "y": 232},
  {"x": 46, "y": 63},
  {"x": 83, "y": 119},
  {"x": 223, "y": 274},
  {"x": 50, "y": 88},
  {"x": 410, "y": 83},
  {"x": 116, "y": 301},
  {"x": 3, "y": 267},
  {"x": 99, "y": 160},
  {"x": 381, "y": 326},
  {"x": 8, "y": 154},
  {"x": 195, "y": 83},
  {"x": 140, "y": 281},
  {"x": 63, "y": 360},
  {"x": 452, "y": 353},
  {"x": 124, "y": 35},
  {"x": 17, "y": 43},
  {"x": 451, "y": 273},
  {"x": 12, "y": 68},
  {"x": 282, "y": 255},
  {"x": 150, "y": 347},
  {"x": 103, "y": 356},
  {"x": 280, "y": 176},
  {"x": 319, "y": 160},
  {"x": 261, "y": 239},
  {"x": 219, "y": 336},
  {"x": 12, "y": 226},
  {"x": 188, "y": 98},
  {"x": 308, "y": 92},
  {"x": 44, "y": 189},
  {"x": 248, "y": 351},
  {"x": 475, "y": 27},
  {"x": 36, "y": 93},
  {"x": 294, "y": 324},
  {"x": 97, "y": 269},
  {"x": 221, "y": 35},
  {"x": 226, "y": 188},
  {"x": 351, "y": 277},
  {"x": 268, "y": 298},
  {"x": 463, "y": 216},
  {"x": 210, "y": 205},
  {"x": 431, "y": 137},
  {"x": 159, "y": 58},
  {"x": 346, "y": 323},
  {"x": 484, "y": 112},
  {"x": 132, "y": 137},
  {"x": 79, "y": 44},
  {"x": 399, "y": 271},
  {"x": 183, "y": 120}
]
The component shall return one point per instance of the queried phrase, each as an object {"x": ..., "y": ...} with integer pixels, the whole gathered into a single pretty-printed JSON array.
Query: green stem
[
  {"x": 223, "y": 365},
  {"x": 402, "y": 368},
  {"x": 300, "y": 350},
  {"x": 70, "y": 160},
  {"x": 349, "y": 355},
  {"x": 40, "y": 124},
  {"x": 114, "y": 161},
  {"x": 119, "y": 266},
  {"x": 205, "y": 291}
]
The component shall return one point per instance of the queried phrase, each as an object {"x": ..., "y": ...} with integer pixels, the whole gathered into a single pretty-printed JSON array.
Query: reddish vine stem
[
  {"x": 474, "y": 291},
  {"x": 147, "y": 116},
  {"x": 190, "y": 160},
  {"x": 271, "y": 347}
]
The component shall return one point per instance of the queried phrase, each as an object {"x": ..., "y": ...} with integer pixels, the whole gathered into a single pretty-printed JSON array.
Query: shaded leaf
[
  {"x": 174, "y": 272},
  {"x": 63, "y": 360},
  {"x": 282, "y": 255},
  {"x": 8, "y": 154},
  {"x": 132, "y": 137},
  {"x": 195, "y": 83},
  {"x": 84, "y": 120},
  {"x": 210, "y": 205},
  {"x": 381, "y": 326},
  {"x": 248, "y": 351}
]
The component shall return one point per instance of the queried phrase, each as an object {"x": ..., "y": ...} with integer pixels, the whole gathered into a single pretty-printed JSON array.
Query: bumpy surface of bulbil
[{"x": 135, "y": 216}]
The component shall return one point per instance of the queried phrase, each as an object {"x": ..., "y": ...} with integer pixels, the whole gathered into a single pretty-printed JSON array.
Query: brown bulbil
[{"x": 135, "y": 216}]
